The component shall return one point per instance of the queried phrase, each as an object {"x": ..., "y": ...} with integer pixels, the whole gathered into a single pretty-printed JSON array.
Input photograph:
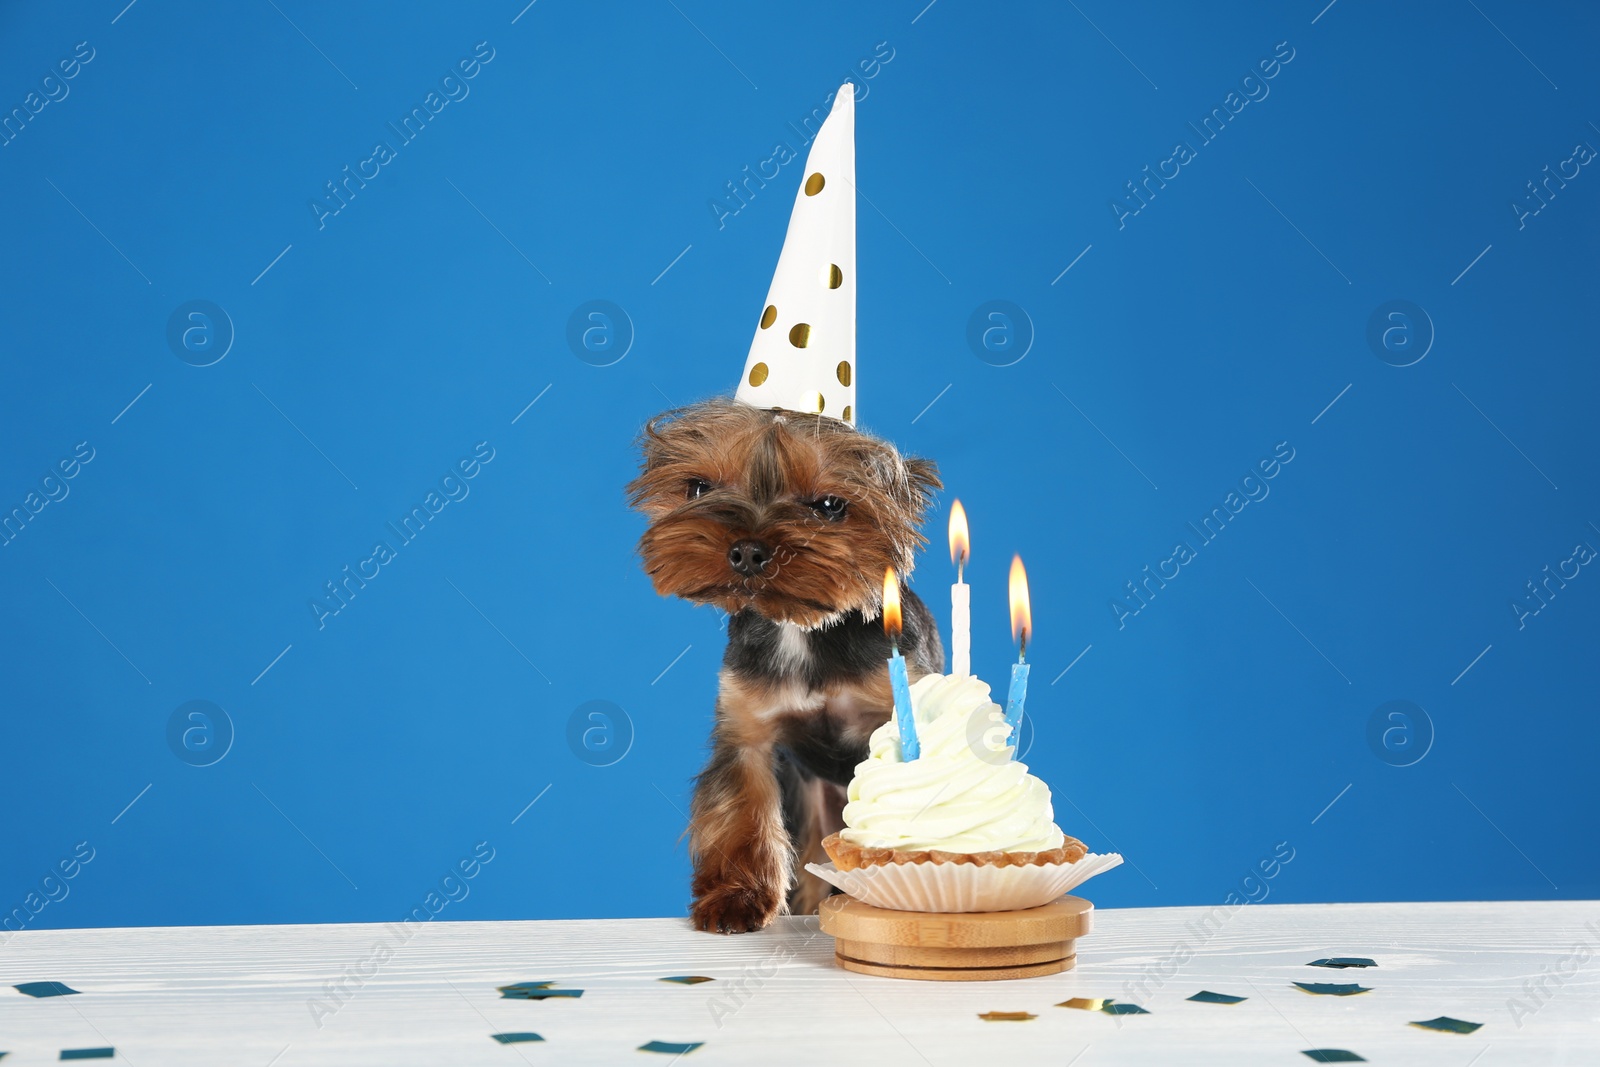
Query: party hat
[{"x": 803, "y": 357}]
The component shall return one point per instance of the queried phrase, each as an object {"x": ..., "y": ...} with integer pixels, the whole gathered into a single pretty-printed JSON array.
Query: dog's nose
[{"x": 749, "y": 557}]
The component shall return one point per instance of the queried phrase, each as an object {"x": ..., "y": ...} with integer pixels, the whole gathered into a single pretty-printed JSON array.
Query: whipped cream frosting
[{"x": 962, "y": 794}]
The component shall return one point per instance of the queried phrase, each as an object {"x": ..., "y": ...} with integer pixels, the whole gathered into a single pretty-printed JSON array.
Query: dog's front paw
[{"x": 735, "y": 909}]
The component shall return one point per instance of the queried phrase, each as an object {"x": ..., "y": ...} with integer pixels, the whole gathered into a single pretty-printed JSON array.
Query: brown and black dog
[{"x": 787, "y": 522}]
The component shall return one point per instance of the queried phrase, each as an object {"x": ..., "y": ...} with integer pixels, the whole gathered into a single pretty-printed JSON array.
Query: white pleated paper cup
[{"x": 963, "y": 887}]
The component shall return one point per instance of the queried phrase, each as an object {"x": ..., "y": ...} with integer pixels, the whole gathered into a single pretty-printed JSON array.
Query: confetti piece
[
  {"x": 45, "y": 989},
  {"x": 687, "y": 979},
  {"x": 516, "y": 1039},
  {"x": 1333, "y": 1055},
  {"x": 1334, "y": 989},
  {"x": 88, "y": 1053},
  {"x": 1103, "y": 1004},
  {"x": 535, "y": 991},
  {"x": 1343, "y": 961},
  {"x": 1449, "y": 1025},
  {"x": 675, "y": 1048},
  {"x": 1205, "y": 996},
  {"x": 1007, "y": 1016},
  {"x": 1085, "y": 1003}
]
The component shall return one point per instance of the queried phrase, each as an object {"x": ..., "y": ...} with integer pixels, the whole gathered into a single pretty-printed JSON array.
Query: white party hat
[{"x": 803, "y": 357}]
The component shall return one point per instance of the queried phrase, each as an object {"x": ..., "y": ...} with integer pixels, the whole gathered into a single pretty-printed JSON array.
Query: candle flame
[
  {"x": 891, "y": 603},
  {"x": 1021, "y": 612},
  {"x": 960, "y": 540}
]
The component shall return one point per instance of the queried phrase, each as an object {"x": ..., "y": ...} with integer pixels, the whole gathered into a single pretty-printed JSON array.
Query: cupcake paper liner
[
  {"x": 963, "y": 886},
  {"x": 848, "y": 857}
]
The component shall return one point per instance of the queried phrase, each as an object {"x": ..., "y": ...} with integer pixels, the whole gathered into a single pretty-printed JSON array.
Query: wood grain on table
[{"x": 364, "y": 994}]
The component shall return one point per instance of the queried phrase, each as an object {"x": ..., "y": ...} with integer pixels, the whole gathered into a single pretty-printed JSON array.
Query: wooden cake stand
[{"x": 956, "y": 947}]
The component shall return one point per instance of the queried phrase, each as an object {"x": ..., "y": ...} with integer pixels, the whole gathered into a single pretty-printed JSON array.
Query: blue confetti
[
  {"x": 45, "y": 989},
  {"x": 676, "y": 1048}
]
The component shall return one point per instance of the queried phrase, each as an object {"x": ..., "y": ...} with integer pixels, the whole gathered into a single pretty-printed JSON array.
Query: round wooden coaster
[
  {"x": 943, "y": 974},
  {"x": 917, "y": 956},
  {"x": 948, "y": 946}
]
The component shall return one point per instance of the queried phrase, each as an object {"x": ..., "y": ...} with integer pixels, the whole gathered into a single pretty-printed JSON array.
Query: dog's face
[{"x": 796, "y": 516}]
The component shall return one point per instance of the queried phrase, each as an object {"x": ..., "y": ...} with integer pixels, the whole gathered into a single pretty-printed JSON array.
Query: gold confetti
[
  {"x": 1007, "y": 1016},
  {"x": 1085, "y": 1003}
]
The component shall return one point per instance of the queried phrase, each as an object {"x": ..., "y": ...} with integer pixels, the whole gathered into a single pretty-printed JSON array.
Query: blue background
[{"x": 427, "y": 314}]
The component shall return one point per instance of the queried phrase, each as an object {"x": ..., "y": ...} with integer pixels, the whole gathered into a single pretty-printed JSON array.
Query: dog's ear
[
  {"x": 908, "y": 481},
  {"x": 924, "y": 475},
  {"x": 907, "y": 485},
  {"x": 651, "y": 445},
  {"x": 651, "y": 442},
  {"x": 922, "y": 480}
]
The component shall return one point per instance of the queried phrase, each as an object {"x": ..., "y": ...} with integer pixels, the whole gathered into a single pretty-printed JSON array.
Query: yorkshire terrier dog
[{"x": 787, "y": 522}]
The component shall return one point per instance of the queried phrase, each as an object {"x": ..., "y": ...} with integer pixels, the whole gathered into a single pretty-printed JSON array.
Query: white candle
[
  {"x": 961, "y": 626},
  {"x": 960, "y": 594}
]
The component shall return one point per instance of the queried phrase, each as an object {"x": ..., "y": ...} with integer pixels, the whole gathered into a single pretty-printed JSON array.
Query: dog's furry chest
[
  {"x": 817, "y": 694},
  {"x": 823, "y": 730},
  {"x": 775, "y": 705}
]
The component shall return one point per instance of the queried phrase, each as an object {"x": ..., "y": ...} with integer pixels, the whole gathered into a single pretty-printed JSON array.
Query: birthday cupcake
[{"x": 962, "y": 827}]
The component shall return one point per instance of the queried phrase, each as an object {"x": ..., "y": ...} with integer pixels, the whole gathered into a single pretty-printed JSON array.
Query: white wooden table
[{"x": 164, "y": 997}]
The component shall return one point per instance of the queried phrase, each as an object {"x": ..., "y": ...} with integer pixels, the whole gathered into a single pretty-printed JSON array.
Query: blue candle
[
  {"x": 910, "y": 747},
  {"x": 899, "y": 685},
  {"x": 1021, "y": 630},
  {"x": 1015, "y": 697}
]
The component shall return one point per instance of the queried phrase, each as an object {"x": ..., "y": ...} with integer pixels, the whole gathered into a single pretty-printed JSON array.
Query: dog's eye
[
  {"x": 830, "y": 507},
  {"x": 696, "y": 488}
]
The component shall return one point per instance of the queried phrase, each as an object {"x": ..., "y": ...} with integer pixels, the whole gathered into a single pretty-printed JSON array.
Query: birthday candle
[
  {"x": 1015, "y": 696},
  {"x": 1021, "y": 630},
  {"x": 910, "y": 749},
  {"x": 960, "y": 594}
]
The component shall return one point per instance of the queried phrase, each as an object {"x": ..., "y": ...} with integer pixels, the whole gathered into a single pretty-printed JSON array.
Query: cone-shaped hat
[{"x": 803, "y": 357}]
